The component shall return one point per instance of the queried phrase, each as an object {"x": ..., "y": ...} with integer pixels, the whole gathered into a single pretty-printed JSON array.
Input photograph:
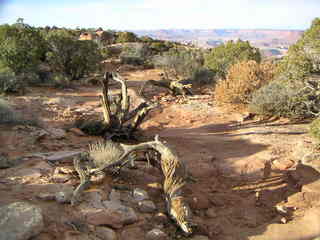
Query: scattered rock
[
  {"x": 111, "y": 214},
  {"x": 40, "y": 134},
  {"x": 65, "y": 195},
  {"x": 127, "y": 214},
  {"x": 20, "y": 221},
  {"x": 105, "y": 233},
  {"x": 147, "y": 206},
  {"x": 74, "y": 235},
  {"x": 156, "y": 234},
  {"x": 132, "y": 234},
  {"x": 77, "y": 131},
  {"x": 57, "y": 133},
  {"x": 140, "y": 194},
  {"x": 161, "y": 218}
]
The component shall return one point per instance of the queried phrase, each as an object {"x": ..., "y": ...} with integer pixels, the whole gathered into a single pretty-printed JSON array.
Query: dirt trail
[{"x": 233, "y": 197}]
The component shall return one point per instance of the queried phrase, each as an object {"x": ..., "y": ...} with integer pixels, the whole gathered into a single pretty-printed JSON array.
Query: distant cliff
[{"x": 281, "y": 39}]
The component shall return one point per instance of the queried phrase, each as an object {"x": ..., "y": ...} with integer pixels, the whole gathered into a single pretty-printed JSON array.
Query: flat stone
[
  {"x": 135, "y": 233},
  {"x": 112, "y": 214},
  {"x": 20, "y": 221},
  {"x": 63, "y": 156},
  {"x": 140, "y": 194},
  {"x": 105, "y": 233},
  {"x": 127, "y": 214},
  {"x": 156, "y": 234},
  {"x": 147, "y": 206}
]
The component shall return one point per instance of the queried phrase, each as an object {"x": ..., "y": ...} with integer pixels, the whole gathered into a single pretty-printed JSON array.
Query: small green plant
[{"x": 315, "y": 129}]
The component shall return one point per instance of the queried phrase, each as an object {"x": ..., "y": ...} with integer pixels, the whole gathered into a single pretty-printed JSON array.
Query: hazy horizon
[{"x": 164, "y": 15}]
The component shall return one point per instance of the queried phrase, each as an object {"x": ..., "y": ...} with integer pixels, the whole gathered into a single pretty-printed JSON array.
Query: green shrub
[
  {"x": 180, "y": 63},
  {"x": 70, "y": 56},
  {"x": 242, "y": 80},
  {"x": 21, "y": 48},
  {"x": 292, "y": 101},
  {"x": 221, "y": 58},
  {"x": 297, "y": 80},
  {"x": 315, "y": 129}
]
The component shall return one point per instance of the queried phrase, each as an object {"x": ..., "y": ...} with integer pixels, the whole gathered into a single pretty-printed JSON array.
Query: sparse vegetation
[
  {"x": 242, "y": 80},
  {"x": 298, "y": 81}
]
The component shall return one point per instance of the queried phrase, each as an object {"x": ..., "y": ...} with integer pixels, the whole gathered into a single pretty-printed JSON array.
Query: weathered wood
[
  {"x": 174, "y": 87},
  {"x": 104, "y": 99}
]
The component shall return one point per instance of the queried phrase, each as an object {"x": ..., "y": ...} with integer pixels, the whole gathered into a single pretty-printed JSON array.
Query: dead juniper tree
[
  {"x": 118, "y": 120},
  {"x": 175, "y": 87},
  {"x": 105, "y": 156}
]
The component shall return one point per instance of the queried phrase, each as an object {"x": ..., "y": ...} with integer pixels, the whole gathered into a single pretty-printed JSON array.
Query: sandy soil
[{"x": 235, "y": 192}]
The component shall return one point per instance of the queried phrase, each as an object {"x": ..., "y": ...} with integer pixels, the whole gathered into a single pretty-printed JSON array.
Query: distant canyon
[{"x": 271, "y": 42}]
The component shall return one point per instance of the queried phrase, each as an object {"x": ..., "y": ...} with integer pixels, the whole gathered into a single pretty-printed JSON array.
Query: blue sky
[{"x": 163, "y": 14}]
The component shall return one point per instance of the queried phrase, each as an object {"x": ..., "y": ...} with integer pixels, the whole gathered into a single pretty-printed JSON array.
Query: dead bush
[{"x": 242, "y": 80}]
